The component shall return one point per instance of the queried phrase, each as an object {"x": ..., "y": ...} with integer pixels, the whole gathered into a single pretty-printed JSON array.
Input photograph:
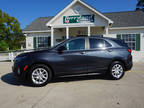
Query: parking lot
[{"x": 91, "y": 91}]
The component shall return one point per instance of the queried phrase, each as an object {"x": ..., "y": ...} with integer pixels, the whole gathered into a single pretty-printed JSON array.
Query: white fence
[{"x": 9, "y": 56}]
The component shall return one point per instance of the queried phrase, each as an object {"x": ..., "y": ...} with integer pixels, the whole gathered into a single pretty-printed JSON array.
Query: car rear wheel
[
  {"x": 116, "y": 70},
  {"x": 40, "y": 75}
]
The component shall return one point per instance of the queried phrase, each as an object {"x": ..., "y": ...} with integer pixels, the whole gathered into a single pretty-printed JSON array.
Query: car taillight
[{"x": 129, "y": 50}]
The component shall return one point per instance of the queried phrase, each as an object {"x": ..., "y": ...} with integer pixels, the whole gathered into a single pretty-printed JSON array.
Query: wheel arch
[
  {"x": 48, "y": 65},
  {"x": 120, "y": 60}
]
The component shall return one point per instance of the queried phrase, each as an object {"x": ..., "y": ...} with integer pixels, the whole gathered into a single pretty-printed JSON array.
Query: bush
[{"x": 3, "y": 46}]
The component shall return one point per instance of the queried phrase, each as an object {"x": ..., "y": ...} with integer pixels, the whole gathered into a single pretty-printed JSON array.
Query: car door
[
  {"x": 73, "y": 59},
  {"x": 98, "y": 55}
]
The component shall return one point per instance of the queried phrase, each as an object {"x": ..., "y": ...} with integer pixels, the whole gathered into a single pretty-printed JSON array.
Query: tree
[
  {"x": 10, "y": 32},
  {"x": 3, "y": 45},
  {"x": 140, "y": 5}
]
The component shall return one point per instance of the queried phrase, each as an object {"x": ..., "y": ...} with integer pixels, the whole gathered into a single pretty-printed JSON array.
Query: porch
[{"x": 59, "y": 34}]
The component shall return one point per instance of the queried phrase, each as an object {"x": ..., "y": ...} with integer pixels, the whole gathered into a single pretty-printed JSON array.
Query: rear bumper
[{"x": 129, "y": 66}]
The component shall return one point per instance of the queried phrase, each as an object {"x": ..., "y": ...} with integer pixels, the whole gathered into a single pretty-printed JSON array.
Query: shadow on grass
[{"x": 10, "y": 79}]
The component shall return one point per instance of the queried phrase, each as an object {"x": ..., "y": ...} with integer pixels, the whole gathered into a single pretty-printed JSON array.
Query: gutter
[
  {"x": 36, "y": 31},
  {"x": 138, "y": 27}
]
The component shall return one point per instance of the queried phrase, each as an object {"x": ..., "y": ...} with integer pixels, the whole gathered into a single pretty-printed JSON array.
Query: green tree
[
  {"x": 140, "y": 5},
  {"x": 3, "y": 45},
  {"x": 10, "y": 32}
]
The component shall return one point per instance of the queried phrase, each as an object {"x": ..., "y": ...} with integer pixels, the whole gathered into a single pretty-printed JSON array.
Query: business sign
[{"x": 78, "y": 19}]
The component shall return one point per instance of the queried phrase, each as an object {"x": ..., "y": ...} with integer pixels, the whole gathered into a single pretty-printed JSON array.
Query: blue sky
[{"x": 28, "y": 10}]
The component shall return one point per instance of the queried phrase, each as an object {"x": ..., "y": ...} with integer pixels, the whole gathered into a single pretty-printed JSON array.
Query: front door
[{"x": 73, "y": 59}]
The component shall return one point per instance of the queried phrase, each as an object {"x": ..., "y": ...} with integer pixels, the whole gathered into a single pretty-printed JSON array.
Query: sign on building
[{"x": 78, "y": 19}]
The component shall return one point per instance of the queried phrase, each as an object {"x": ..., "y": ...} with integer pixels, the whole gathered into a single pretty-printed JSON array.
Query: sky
[{"x": 27, "y": 11}]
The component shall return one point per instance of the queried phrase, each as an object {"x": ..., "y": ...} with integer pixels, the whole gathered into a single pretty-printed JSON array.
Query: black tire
[
  {"x": 120, "y": 70},
  {"x": 47, "y": 71}
]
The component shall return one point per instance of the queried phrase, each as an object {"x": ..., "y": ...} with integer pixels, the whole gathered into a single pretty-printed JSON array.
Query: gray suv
[{"x": 80, "y": 55}]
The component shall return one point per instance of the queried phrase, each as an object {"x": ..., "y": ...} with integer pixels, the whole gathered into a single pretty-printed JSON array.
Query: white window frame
[
  {"x": 37, "y": 37},
  {"x": 129, "y": 40}
]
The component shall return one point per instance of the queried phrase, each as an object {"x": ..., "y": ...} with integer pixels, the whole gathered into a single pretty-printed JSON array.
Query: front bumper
[
  {"x": 19, "y": 73},
  {"x": 18, "y": 69}
]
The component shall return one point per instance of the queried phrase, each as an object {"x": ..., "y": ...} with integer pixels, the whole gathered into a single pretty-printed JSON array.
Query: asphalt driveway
[{"x": 92, "y": 91}]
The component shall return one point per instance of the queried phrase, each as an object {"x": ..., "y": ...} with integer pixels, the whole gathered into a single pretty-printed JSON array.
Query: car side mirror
[{"x": 61, "y": 49}]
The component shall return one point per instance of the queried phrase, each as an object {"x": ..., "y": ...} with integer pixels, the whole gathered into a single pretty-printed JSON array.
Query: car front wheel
[
  {"x": 117, "y": 70},
  {"x": 40, "y": 75}
]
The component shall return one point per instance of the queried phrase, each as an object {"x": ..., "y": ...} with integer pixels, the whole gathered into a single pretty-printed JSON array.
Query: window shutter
[
  {"x": 137, "y": 42},
  {"x": 118, "y": 36},
  {"x": 34, "y": 42}
]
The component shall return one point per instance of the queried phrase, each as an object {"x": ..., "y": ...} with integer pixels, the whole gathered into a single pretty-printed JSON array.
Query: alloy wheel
[
  {"x": 117, "y": 71},
  {"x": 39, "y": 76}
]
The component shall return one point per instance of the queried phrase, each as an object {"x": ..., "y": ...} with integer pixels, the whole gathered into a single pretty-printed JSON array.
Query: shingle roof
[
  {"x": 121, "y": 19},
  {"x": 38, "y": 24},
  {"x": 126, "y": 19}
]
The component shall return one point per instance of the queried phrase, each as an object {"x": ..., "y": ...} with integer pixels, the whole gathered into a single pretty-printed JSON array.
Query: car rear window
[
  {"x": 98, "y": 43},
  {"x": 120, "y": 42}
]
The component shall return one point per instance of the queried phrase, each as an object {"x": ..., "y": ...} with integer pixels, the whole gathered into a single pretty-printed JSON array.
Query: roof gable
[{"x": 82, "y": 3}]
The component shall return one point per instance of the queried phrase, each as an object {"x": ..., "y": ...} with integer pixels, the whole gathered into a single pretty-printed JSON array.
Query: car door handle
[{"x": 83, "y": 53}]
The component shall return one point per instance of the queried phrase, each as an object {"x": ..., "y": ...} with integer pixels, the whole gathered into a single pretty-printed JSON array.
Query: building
[{"x": 79, "y": 18}]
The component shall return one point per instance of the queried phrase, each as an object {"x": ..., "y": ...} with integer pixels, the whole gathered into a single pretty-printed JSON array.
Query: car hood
[{"x": 33, "y": 52}]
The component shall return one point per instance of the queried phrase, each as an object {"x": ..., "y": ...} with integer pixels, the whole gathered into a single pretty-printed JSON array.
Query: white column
[
  {"x": 26, "y": 41},
  {"x": 52, "y": 36},
  {"x": 106, "y": 30},
  {"x": 89, "y": 31},
  {"x": 67, "y": 32}
]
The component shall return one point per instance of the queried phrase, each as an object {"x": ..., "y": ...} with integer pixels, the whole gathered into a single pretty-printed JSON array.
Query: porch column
[
  {"x": 67, "y": 32},
  {"x": 52, "y": 36},
  {"x": 106, "y": 30},
  {"x": 89, "y": 31}
]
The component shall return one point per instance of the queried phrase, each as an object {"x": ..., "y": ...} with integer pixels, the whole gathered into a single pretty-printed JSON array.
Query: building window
[
  {"x": 41, "y": 42},
  {"x": 132, "y": 40}
]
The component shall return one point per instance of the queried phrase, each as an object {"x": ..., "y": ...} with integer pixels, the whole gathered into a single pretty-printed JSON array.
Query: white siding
[
  {"x": 99, "y": 21},
  {"x": 29, "y": 39},
  {"x": 142, "y": 42},
  {"x": 29, "y": 42},
  {"x": 113, "y": 33}
]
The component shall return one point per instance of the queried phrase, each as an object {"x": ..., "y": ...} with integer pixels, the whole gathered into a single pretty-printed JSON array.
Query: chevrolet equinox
[{"x": 80, "y": 55}]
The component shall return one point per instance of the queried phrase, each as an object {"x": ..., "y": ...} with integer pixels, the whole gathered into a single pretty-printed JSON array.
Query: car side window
[
  {"x": 98, "y": 43},
  {"x": 77, "y": 44}
]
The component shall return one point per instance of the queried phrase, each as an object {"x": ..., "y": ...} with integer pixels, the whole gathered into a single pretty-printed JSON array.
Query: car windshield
[{"x": 58, "y": 44}]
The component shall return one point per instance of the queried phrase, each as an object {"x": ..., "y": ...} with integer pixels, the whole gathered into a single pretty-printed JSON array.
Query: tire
[
  {"x": 116, "y": 70},
  {"x": 40, "y": 75}
]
